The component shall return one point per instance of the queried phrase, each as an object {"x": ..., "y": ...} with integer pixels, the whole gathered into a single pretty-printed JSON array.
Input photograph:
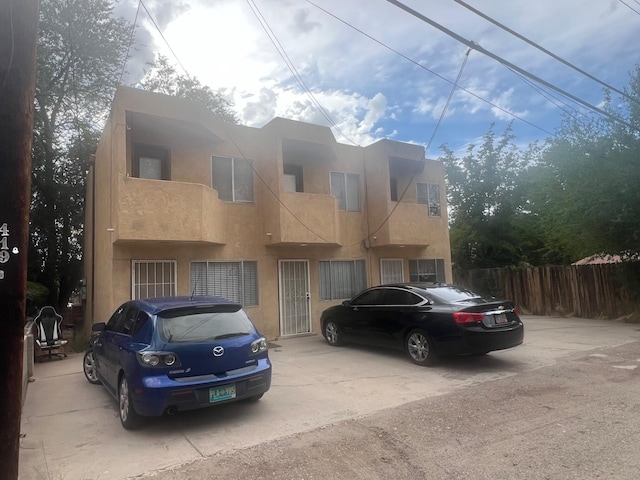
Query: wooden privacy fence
[{"x": 587, "y": 291}]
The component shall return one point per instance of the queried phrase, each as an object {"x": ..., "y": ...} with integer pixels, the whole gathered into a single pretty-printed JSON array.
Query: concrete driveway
[{"x": 71, "y": 429}]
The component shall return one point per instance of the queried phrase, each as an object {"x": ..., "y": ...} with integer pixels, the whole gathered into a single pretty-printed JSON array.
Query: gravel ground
[{"x": 577, "y": 419}]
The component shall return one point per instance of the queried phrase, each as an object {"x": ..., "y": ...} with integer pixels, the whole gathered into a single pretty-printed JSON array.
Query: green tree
[
  {"x": 81, "y": 49},
  {"x": 585, "y": 189},
  {"x": 490, "y": 224},
  {"x": 162, "y": 77}
]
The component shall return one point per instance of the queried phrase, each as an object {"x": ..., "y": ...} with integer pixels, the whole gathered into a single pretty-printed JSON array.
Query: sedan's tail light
[
  {"x": 158, "y": 359},
  {"x": 468, "y": 317}
]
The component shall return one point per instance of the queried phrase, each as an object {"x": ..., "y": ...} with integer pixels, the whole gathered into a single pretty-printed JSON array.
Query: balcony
[
  {"x": 164, "y": 211},
  {"x": 408, "y": 225},
  {"x": 305, "y": 218}
]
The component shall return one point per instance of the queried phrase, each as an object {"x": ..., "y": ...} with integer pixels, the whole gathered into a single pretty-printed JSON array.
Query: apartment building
[{"x": 282, "y": 219}]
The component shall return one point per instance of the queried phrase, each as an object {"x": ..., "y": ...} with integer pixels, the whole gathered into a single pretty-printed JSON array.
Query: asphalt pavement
[{"x": 356, "y": 412}]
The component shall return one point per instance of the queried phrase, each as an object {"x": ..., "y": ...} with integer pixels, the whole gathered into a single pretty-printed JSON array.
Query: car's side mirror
[
  {"x": 98, "y": 327},
  {"x": 346, "y": 303}
]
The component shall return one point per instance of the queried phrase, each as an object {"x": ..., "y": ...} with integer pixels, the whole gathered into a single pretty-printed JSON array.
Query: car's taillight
[
  {"x": 468, "y": 317},
  {"x": 259, "y": 346},
  {"x": 158, "y": 359}
]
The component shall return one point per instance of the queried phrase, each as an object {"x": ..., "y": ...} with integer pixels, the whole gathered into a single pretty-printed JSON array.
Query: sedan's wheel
[
  {"x": 128, "y": 416},
  {"x": 332, "y": 333},
  {"x": 89, "y": 367},
  {"x": 419, "y": 348}
]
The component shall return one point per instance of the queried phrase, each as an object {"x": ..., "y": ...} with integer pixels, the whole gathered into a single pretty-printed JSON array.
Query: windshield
[{"x": 204, "y": 327}]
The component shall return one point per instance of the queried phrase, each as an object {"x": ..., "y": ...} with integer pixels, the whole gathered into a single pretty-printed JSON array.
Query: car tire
[
  {"x": 89, "y": 367},
  {"x": 128, "y": 415},
  {"x": 332, "y": 333},
  {"x": 420, "y": 349},
  {"x": 255, "y": 398}
]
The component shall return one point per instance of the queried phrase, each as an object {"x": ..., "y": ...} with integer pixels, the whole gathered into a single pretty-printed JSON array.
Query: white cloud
[{"x": 369, "y": 91}]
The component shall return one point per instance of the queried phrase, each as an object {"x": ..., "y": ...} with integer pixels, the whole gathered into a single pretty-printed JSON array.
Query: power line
[
  {"x": 629, "y": 6},
  {"x": 542, "y": 49},
  {"x": 444, "y": 111},
  {"x": 419, "y": 65},
  {"x": 164, "y": 39},
  {"x": 287, "y": 60},
  {"x": 126, "y": 56},
  {"x": 510, "y": 65}
]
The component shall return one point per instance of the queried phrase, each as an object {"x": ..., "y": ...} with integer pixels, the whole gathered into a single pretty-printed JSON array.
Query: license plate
[
  {"x": 217, "y": 394},
  {"x": 500, "y": 318}
]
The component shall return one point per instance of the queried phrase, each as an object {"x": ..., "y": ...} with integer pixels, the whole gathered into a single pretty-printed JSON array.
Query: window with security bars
[
  {"x": 427, "y": 270},
  {"x": 346, "y": 188},
  {"x": 232, "y": 178},
  {"x": 153, "y": 278},
  {"x": 235, "y": 281},
  {"x": 429, "y": 194},
  {"x": 341, "y": 278}
]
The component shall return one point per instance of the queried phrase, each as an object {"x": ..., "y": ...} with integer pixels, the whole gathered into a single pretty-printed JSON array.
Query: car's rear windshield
[
  {"x": 452, "y": 294},
  {"x": 198, "y": 327}
]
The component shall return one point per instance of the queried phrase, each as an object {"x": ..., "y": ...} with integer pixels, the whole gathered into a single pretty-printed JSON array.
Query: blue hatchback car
[{"x": 164, "y": 355}]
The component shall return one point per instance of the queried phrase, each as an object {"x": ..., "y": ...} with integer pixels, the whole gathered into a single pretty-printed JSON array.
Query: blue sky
[{"x": 370, "y": 92}]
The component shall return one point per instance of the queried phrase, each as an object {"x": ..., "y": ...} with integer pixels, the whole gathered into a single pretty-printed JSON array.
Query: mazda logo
[{"x": 218, "y": 351}]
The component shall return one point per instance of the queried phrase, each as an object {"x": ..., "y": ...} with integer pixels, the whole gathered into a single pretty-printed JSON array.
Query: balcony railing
[
  {"x": 305, "y": 218},
  {"x": 409, "y": 224},
  {"x": 167, "y": 211}
]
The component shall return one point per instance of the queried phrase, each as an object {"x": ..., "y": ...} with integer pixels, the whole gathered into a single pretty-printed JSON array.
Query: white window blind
[{"x": 235, "y": 281}]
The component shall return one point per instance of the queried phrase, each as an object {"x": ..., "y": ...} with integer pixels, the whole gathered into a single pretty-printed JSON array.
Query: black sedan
[{"x": 425, "y": 320}]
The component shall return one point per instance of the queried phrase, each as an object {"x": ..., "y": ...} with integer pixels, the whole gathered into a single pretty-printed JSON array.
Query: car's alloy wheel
[
  {"x": 332, "y": 333},
  {"x": 89, "y": 367},
  {"x": 128, "y": 416},
  {"x": 419, "y": 348}
]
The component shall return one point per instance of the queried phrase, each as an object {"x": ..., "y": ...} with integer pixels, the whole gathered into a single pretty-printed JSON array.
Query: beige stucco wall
[{"x": 183, "y": 220}]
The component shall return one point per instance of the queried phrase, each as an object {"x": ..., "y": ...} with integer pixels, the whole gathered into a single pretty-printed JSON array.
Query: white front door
[{"x": 295, "y": 298}]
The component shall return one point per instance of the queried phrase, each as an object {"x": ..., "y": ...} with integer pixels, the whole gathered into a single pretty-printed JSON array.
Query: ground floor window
[
  {"x": 391, "y": 270},
  {"x": 427, "y": 270},
  {"x": 153, "y": 278},
  {"x": 235, "y": 281},
  {"x": 341, "y": 278}
]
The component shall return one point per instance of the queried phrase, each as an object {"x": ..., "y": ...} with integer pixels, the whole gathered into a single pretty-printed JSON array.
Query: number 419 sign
[{"x": 4, "y": 247}]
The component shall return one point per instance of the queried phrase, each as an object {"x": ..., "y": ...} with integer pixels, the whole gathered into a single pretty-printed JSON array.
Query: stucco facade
[{"x": 281, "y": 218}]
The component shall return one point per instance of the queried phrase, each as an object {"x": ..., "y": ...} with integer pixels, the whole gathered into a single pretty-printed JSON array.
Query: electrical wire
[
  {"x": 275, "y": 195},
  {"x": 287, "y": 60},
  {"x": 544, "y": 50},
  {"x": 630, "y": 7},
  {"x": 419, "y": 65},
  {"x": 126, "y": 56},
  {"x": 435, "y": 130},
  {"x": 506, "y": 63},
  {"x": 164, "y": 39}
]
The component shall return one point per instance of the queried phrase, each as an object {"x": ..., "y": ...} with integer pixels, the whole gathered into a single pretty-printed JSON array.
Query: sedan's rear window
[
  {"x": 204, "y": 327},
  {"x": 452, "y": 294}
]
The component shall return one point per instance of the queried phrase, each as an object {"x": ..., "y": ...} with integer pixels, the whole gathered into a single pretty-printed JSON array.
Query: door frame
[{"x": 281, "y": 297}]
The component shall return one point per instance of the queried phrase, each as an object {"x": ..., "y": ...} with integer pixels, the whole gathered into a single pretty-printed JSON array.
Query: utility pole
[{"x": 18, "y": 38}]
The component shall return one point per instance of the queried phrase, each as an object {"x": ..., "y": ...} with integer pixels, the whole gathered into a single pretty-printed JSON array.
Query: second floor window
[
  {"x": 232, "y": 178},
  {"x": 429, "y": 194},
  {"x": 346, "y": 188},
  {"x": 151, "y": 162}
]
